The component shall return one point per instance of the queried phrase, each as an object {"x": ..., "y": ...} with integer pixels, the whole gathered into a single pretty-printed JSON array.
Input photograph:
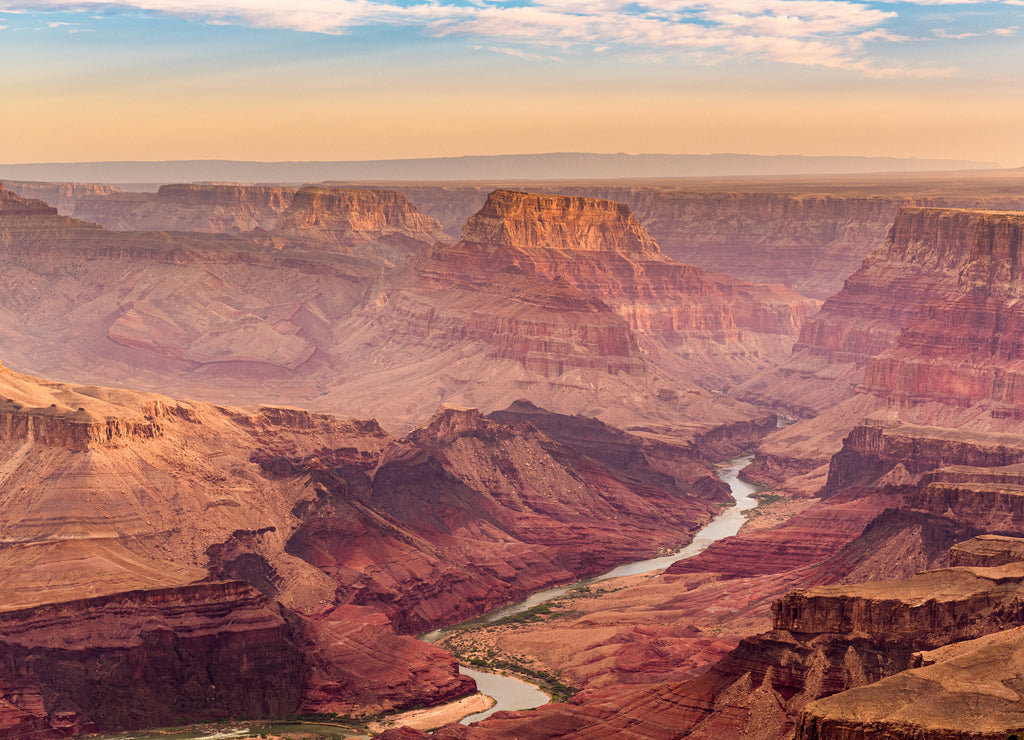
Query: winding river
[{"x": 514, "y": 694}]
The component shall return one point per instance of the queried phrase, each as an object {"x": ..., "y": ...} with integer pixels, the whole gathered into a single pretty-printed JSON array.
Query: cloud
[
  {"x": 823, "y": 33},
  {"x": 939, "y": 33},
  {"x": 520, "y": 54}
]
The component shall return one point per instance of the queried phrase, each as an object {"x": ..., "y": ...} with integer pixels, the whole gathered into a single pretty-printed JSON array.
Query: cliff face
[
  {"x": 64, "y": 196},
  {"x": 963, "y": 348},
  {"x": 960, "y": 692},
  {"x": 148, "y": 658},
  {"x": 516, "y": 220},
  {"x": 545, "y": 256},
  {"x": 473, "y": 488},
  {"x": 356, "y": 221},
  {"x": 218, "y": 209}
]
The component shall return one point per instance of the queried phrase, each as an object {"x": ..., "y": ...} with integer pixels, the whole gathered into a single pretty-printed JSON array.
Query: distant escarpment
[
  {"x": 223, "y": 209},
  {"x": 808, "y": 235},
  {"x": 584, "y": 317},
  {"x": 582, "y": 274},
  {"x": 356, "y": 221}
]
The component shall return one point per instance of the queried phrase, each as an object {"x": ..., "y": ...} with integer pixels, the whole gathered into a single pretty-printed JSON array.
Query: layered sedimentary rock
[
  {"x": 148, "y": 658},
  {"x": 503, "y": 508},
  {"x": 963, "y": 348},
  {"x": 189, "y": 311},
  {"x": 562, "y": 285},
  {"x": 922, "y": 338},
  {"x": 987, "y": 550},
  {"x": 223, "y": 209},
  {"x": 64, "y": 196},
  {"x": 966, "y": 691},
  {"x": 354, "y": 533},
  {"x": 356, "y": 221}
]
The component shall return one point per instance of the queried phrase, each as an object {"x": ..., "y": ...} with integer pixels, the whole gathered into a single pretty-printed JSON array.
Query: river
[{"x": 514, "y": 694}]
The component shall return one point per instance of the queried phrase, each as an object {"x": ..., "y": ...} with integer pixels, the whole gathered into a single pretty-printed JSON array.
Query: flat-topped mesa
[
  {"x": 925, "y": 611},
  {"x": 359, "y": 219},
  {"x": 959, "y": 692},
  {"x": 987, "y": 550},
  {"x": 275, "y": 198},
  {"x": 517, "y": 220},
  {"x": 872, "y": 450},
  {"x": 78, "y": 431},
  {"x": 64, "y": 196}
]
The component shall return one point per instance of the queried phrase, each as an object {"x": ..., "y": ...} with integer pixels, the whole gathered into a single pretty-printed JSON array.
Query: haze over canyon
[{"x": 255, "y": 438}]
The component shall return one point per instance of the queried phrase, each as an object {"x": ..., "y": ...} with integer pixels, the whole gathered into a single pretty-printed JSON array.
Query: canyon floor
[{"x": 254, "y": 439}]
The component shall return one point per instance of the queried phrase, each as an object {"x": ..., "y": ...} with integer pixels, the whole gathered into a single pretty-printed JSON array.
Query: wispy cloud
[{"x": 824, "y": 33}]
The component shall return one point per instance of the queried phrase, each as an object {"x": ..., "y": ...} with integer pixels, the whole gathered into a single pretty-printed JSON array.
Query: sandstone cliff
[
  {"x": 356, "y": 221},
  {"x": 301, "y": 324},
  {"x": 572, "y": 286},
  {"x": 223, "y": 209}
]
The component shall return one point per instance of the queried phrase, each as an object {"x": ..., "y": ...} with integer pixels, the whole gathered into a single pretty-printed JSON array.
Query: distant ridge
[{"x": 558, "y": 166}]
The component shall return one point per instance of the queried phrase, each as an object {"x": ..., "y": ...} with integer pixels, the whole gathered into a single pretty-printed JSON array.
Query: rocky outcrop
[
  {"x": 216, "y": 209},
  {"x": 655, "y": 460},
  {"x": 64, "y": 196},
  {"x": 149, "y": 658},
  {"x": 477, "y": 514},
  {"x": 962, "y": 348},
  {"x": 987, "y": 550},
  {"x": 78, "y": 430},
  {"x": 356, "y": 221},
  {"x": 545, "y": 258},
  {"x": 808, "y": 235},
  {"x": 966, "y": 691},
  {"x": 294, "y": 326},
  {"x": 873, "y": 450},
  {"x": 515, "y": 220}
]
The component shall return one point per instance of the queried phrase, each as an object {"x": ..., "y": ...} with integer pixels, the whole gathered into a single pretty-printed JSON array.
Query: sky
[{"x": 382, "y": 79}]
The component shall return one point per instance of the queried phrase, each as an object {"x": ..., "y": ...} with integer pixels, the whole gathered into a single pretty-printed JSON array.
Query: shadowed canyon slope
[
  {"x": 152, "y": 531},
  {"x": 579, "y": 317}
]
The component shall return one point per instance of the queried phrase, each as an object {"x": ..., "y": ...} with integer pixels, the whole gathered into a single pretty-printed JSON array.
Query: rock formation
[
  {"x": 293, "y": 542},
  {"x": 572, "y": 290},
  {"x": 302, "y": 324},
  {"x": 356, "y": 221}
]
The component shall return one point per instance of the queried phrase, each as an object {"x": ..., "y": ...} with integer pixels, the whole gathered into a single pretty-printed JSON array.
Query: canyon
[
  {"x": 549, "y": 388},
  {"x": 317, "y": 551}
]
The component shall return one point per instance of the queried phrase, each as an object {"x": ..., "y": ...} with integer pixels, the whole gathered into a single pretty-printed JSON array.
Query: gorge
[{"x": 410, "y": 405}]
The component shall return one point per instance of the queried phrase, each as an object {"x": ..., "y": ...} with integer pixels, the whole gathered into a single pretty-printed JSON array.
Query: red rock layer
[
  {"x": 595, "y": 255},
  {"x": 807, "y": 538},
  {"x": 64, "y": 196},
  {"x": 356, "y": 532},
  {"x": 963, "y": 348},
  {"x": 986, "y": 551},
  {"x": 148, "y": 658},
  {"x": 479, "y": 514},
  {"x": 194, "y": 311},
  {"x": 223, "y": 209}
]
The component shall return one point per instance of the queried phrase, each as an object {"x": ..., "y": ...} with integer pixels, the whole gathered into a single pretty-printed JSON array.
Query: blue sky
[{"x": 357, "y": 79}]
